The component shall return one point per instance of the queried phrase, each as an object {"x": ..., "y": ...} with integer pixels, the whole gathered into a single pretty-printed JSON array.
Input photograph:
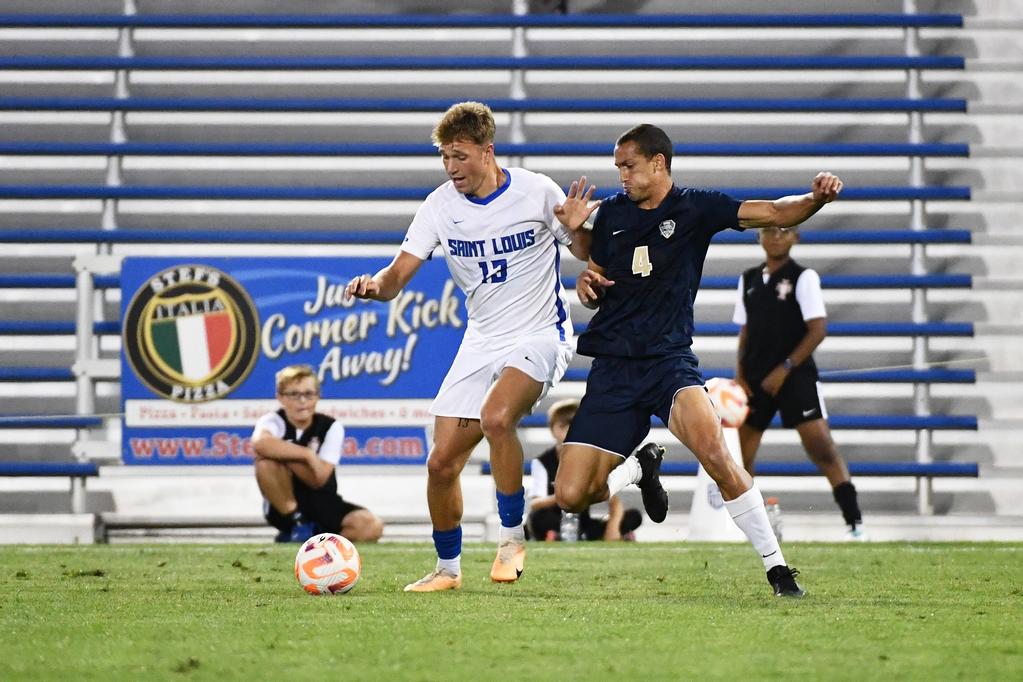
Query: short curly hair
[{"x": 465, "y": 121}]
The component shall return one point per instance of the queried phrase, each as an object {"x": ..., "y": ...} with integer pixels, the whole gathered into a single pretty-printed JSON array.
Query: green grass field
[{"x": 580, "y": 612}]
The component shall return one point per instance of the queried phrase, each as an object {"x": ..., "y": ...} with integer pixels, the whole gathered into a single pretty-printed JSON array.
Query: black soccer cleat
[
  {"x": 655, "y": 498},
  {"x": 783, "y": 580}
]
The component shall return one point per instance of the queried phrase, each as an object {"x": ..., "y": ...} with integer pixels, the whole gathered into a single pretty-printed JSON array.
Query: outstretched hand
[
  {"x": 577, "y": 209},
  {"x": 826, "y": 187},
  {"x": 589, "y": 286}
]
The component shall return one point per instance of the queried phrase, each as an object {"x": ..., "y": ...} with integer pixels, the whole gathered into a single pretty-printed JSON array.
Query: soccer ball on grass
[
  {"x": 327, "y": 564},
  {"x": 729, "y": 401}
]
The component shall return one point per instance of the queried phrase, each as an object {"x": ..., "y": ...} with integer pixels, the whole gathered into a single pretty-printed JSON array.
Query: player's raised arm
[
  {"x": 590, "y": 285},
  {"x": 791, "y": 210},
  {"x": 574, "y": 213},
  {"x": 385, "y": 285}
]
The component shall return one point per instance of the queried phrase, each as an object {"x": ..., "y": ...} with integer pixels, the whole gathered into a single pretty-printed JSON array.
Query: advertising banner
[{"x": 203, "y": 338}]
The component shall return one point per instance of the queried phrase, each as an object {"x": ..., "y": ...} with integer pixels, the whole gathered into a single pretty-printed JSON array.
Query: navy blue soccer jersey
[{"x": 655, "y": 258}]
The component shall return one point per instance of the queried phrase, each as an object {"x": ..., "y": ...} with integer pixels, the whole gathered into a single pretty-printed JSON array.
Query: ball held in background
[
  {"x": 729, "y": 401},
  {"x": 327, "y": 564}
]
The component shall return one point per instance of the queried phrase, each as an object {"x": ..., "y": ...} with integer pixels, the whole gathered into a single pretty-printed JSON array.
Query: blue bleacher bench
[
  {"x": 845, "y": 376},
  {"x": 889, "y": 376},
  {"x": 53, "y": 327},
  {"x": 179, "y": 236},
  {"x": 938, "y": 281},
  {"x": 32, "y": 421},
  {"x": 54, "y": 281},
  {"x": 804, "y": 468},
  {"x": 811, "y": 236},
  {"x": 845, "y": 422},
  {"x": 76, "y": 469},
  {"x": 60, "y": 327},
  {"x": 36, "y": 374},
  {"x": 711, "y": 20},
  {"x": 411, "y": 149},
  {"x": 478, "y": 63},
  {"x": 849, "y": 329},
  {"x": 277, "y": 192},
  {"x": 532, "y": 104}
]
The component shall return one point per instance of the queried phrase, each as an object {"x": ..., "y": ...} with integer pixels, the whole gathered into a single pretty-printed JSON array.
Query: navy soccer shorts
[
  {"x": 325, "y": 508},
  {"x": 799, "y": 400},
  {"x": 622, "y": 394}
]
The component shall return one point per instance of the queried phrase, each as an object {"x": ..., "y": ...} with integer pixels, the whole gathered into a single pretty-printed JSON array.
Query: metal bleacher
[{"x": 147, "y": 128}]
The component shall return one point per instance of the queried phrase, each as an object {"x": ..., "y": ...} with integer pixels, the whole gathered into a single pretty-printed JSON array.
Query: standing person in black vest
[
  {"x": 297, "y": 449},
  {"x": 780, "y": 311},
  {"x": 544, "y": 521}
]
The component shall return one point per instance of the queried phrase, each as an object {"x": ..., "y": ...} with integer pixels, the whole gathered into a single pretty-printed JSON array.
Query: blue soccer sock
[
  {"x": 511, "y": 507},
  {"x": 449, "y": 549}
]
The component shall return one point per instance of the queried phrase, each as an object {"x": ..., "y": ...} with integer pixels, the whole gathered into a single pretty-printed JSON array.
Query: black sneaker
[
  {"x": 655, "y": 498},
  {"x": 783, "y": 580}
]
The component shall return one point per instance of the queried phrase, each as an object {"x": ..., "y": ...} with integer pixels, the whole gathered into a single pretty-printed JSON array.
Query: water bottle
[
  {"x": 569, "y": 527},
  {"x": 774, "y": 515}
]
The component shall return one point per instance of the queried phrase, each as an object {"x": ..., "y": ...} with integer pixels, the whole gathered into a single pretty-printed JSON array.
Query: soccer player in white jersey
[{"x": 501, "y": 231}]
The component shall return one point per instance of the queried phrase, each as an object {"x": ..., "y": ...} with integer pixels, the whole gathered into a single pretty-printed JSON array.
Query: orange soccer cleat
[
  {"x": 437, "y": 581},
  {"x": 510, "y": 561}
]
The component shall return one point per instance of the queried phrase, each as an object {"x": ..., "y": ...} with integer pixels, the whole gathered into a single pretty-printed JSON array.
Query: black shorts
[
  {"x": 799, "y": 400},
  {"x": 622, "y": 394},
  {"x": 321, "y": 506}
]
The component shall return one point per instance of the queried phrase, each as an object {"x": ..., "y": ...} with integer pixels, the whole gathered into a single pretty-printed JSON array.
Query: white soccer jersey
[
  {"x": 503, "y": 252},
  {"x": 329, "y": 450}
]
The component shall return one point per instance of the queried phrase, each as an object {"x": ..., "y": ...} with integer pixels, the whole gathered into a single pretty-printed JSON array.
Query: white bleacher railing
[{"x": 918, "y": 265}]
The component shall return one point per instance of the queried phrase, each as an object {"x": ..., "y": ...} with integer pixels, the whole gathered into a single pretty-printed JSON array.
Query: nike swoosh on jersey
[{"x": 617, "y": 232}]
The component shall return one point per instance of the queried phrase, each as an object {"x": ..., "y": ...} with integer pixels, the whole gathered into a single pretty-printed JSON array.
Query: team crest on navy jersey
[
  {"x": 191, "y": 333},
  {"x": 667, "y": 228}
]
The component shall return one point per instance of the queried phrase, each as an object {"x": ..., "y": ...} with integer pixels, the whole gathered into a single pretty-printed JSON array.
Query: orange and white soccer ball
[
  {"x": 327, "y": 564},
  {"x": 729, "y": 400}
]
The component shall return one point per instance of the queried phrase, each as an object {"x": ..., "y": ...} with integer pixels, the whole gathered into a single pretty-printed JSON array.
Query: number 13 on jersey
[
  {"x": 641, "y": 264},
  {"x": 496, "y": 272}
]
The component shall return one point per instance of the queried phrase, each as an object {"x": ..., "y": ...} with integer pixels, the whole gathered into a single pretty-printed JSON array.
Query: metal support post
[
  {"x": 918, "y": 266},
  {"x": 517, "y": 87}
]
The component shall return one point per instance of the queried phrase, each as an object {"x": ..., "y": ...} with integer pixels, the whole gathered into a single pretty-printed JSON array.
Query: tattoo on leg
[{"x": 463, "y": 423}]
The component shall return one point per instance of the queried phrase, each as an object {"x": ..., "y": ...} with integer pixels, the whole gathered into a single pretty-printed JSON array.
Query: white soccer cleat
[{"x": 856, "y": 534}]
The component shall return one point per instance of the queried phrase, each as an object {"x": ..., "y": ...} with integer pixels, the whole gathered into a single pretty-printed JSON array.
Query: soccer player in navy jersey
[{"x": 646, "y": 257}]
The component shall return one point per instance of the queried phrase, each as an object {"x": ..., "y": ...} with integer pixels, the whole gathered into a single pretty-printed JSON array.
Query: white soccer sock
[
  {"x": 516, "y": 534},
  {"x": 622, "y": 475},
  {"x": 453, "y": 566},
  {"x": 750, "y": 516}
]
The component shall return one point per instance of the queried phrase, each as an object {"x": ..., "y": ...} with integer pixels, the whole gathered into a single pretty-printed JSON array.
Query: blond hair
[
  {"x": 471, "y": 121},
  {"x": 563, "y": 410},
  {"x": 293, "y": 373}
]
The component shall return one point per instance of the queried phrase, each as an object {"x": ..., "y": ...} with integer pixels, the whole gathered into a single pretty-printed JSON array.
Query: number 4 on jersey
[{"x": 641, "y": 264}]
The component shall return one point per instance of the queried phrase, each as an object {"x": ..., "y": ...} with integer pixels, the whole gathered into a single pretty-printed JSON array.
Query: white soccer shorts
[{"x": 477, "y": 365}]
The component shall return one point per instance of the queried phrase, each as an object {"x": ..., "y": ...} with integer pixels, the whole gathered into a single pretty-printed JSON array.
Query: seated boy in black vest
[
  {"x": 780, "y": 311},
  {"x": 297, "y": 449},
  {"x": 544, "y": 520}
]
